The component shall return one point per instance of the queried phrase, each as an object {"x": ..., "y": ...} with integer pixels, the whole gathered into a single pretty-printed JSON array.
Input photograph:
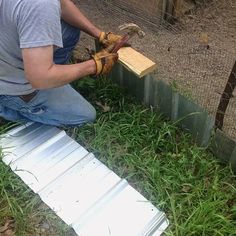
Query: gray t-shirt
[{"x": 25, "y": 24}]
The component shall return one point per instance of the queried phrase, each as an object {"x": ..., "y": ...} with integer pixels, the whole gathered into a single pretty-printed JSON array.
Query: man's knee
[
  {"x": 90, "y": 114},
  {"x": 82, "y": 116}
]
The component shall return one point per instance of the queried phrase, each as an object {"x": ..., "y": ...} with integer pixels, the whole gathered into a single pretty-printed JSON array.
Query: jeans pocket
[
  {"x": 35, "y": 106},
  {"x": 29, "y": 97}
]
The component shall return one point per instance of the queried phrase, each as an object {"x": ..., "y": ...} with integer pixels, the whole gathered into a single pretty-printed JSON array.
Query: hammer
[{"x": 132, "y": 29}]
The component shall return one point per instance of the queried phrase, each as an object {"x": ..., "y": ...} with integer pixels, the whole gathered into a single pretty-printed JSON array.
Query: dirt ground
[{"x": 196, "y": 54}]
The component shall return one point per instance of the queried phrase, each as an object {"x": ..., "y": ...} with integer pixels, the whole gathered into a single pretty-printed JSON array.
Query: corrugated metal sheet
[{"x": 81, "y": 190}]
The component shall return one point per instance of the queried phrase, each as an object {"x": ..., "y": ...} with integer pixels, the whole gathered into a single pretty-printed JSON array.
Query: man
[{"x": 36, "y": 41}]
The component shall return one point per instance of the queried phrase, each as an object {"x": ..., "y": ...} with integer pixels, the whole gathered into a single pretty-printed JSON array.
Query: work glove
[
  {"x": 107, "y": 39},
  {"x": 104, "y": 61}
]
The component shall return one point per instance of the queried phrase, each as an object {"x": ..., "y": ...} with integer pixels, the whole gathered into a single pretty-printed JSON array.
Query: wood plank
[{"x": 136, "y": 62}]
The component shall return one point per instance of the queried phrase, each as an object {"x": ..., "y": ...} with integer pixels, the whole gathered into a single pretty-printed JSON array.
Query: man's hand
[
  {"x": 107, "y": 39},
  {"x": 104, "y": 61}
]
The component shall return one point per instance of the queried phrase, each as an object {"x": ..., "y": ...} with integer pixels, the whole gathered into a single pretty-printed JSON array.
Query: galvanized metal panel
[
  {"x": 47, "y": 149},
  {"x": 73, "y": 194},
  {"x": 130, "y": 213},
  {"x": 38, "y": 179},
  {"x": 27, "y": 143},
  {"x": 21, "y": 131},
  {"x": 195, "y": 120},
  {"x": 78, "y": 187}
]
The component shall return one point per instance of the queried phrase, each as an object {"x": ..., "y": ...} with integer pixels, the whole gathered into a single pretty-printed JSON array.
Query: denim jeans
[{"x": 61, "y": 106}]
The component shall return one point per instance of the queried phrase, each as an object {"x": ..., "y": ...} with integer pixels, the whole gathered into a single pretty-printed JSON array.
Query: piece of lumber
[{"x": 136, "y": 62}]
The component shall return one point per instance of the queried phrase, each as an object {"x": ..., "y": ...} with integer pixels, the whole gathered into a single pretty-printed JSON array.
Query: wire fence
[{"x": 195, "y": 49}]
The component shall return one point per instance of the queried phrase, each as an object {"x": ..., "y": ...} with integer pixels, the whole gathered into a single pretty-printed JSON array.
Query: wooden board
[{"x": 136, "y": 62}]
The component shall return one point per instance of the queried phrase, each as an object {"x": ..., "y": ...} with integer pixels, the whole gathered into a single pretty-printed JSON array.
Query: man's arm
[
  {"x": 42, "y": 73},
  {"x": 72, "y": 15}
]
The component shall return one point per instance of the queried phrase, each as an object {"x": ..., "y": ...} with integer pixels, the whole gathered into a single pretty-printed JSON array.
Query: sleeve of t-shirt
[{"x": 39, "y": 23}]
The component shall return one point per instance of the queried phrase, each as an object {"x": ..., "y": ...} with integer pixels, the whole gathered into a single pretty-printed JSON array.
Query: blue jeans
[{"x": 61, "y": 106}]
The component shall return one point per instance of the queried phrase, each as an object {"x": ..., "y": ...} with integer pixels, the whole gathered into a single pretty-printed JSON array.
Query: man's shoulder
[
  {"x": 39, "y": 4},
  {"x": 46, "y": 7}
]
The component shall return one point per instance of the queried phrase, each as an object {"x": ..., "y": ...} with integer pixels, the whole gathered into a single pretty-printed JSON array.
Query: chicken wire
[{"x": 195, "y": 54}]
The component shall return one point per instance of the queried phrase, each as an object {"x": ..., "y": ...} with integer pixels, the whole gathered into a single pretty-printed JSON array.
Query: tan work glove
[
  {"x": 104, "y": 61},
  {"x": 106, "y": 39}
]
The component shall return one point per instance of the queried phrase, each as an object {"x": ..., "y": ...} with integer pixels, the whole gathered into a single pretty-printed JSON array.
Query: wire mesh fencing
[{"x": 193, "y": 45}]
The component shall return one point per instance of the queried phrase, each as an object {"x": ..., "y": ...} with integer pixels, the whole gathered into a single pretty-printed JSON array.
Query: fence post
[{"x": 225, "y": 97}]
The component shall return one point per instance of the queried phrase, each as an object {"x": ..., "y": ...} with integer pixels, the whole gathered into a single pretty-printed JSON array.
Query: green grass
[{"x": 154, "y": 155}]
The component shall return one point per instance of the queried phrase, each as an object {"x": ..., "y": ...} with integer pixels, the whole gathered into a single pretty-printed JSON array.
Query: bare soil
[{"x": 196, "y": 54}]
